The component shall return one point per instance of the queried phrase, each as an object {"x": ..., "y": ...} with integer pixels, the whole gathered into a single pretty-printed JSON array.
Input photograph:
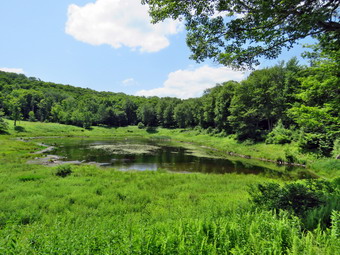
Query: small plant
[
  {"x": 63, "y": 170},
  {"x": 3, "y": 124},
  {"x": 336, "y": 149},
  {"x": 31, "y": 116},
  {"x": 290, "y": 158},
  {"x": 279, "y": 135},
  {"x": 248, "y": 142},
  {"x": 141, "y": 125}
]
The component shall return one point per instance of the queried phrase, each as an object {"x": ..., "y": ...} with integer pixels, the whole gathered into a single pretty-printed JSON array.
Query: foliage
[
  {"x": 279, "y": 134},
  {"x": 151, "y": 212},
  {"x": 237, "y": 33},
  {"x": 141, "y": 125},
  {"x": 336, "y": 149},
  {"x": 146, "y": 113},
  {"x": 113, "y": 212},
  {"x": 316, "y": 198},
  {"x": 63, "y": 170},
  {"x": 259, "y": 102},
  {"x": 3, "y": 124},
  {"x": 316, "y": 109},
  {"x": 304, "y": 99},
  {"x": 31, "y": 116}
]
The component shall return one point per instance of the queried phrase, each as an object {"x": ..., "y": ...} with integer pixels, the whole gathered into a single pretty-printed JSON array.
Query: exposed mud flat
[
  {"x": 54, "y": 160},
  {"x": 127, "y": 148}
]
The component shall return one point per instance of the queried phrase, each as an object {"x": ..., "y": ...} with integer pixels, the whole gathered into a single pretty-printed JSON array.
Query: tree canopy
[{"x": 237, "y": 33}]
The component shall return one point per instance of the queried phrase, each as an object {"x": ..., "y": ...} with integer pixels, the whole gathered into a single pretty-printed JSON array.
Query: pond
[{"x": 146, "y": 154}]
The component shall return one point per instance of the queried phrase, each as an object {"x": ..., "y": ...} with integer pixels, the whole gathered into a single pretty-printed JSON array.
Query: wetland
[{"x": 152, "y": 154}]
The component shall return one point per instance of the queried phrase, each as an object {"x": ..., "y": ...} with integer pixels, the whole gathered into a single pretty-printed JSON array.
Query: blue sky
[{"x": 105, "y": 45}]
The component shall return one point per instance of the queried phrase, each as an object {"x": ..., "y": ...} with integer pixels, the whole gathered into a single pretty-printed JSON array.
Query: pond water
[{"x": 146, "y": 154}]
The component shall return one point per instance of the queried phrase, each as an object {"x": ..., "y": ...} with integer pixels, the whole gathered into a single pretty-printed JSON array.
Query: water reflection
[{"x": 167, "y": 156}]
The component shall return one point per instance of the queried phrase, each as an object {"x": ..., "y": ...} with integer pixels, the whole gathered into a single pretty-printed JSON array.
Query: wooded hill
[{"x": 284, "y": 103}]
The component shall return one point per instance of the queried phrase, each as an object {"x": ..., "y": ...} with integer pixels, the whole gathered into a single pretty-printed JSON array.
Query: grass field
[{"x": 104, "y": 211}]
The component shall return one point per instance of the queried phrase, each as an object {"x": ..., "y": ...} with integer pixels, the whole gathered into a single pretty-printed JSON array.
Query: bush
[
  {"x": 3, "y": 124},
  {"x": 63, "y": 170},
  {"x": 141, "y": 125},
  {"x": 290, "y": 158},
  {"x": 279, "y": 135},
  {"x": 312, "y": 201},
  {"x": 31, "y": 116},
  {"x": 320, "y": 143},
  {"x": 336, "y": 149}
]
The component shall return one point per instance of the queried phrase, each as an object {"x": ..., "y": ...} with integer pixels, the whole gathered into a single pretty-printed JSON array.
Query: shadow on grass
[
  {"x": 19, "y": 129},
  {"x": 151, "y": 130}
]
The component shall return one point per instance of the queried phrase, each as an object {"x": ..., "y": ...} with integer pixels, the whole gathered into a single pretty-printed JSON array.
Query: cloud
[
  {"x": 119, "y": 23},
  {"x": 129, "y": 82},
  {"x": 12, "y": 70},
  {"x": 192, "y": 82}
]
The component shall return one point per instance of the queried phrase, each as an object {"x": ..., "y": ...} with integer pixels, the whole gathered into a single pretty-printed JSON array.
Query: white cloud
[
  {"x": 191, "y": 83},
  {"x": 12, "y": 70},
  {"x": 119, "y": 23},
  {"x": 129, "y": 82}
]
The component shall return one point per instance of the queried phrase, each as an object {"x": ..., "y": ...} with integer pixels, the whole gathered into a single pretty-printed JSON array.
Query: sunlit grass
[{"x": 104, "y": 211}]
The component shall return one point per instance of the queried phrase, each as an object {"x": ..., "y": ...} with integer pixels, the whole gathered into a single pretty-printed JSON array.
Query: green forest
[{"x": 284, "y": 103}]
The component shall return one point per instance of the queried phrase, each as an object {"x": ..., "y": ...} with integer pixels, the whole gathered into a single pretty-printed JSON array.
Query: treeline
[{"x": 280, "y": 104}]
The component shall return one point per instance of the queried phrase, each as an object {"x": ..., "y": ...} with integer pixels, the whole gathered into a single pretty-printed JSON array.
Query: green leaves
[{"x": 238, "y": 33}]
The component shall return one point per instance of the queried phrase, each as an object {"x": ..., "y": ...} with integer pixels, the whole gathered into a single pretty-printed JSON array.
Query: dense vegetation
[
  {"x": 281, "y": 104},
  {"x": 238, "y": 33},
  {"x": 277, "y": 113},
  {"x": 87, "y": 210}
]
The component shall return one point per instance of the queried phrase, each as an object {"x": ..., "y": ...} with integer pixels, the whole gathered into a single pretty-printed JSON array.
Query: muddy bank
[
  {"x": 48, "y": 149},
  {"x": 278, "y": 162},
  {"x": 54, "y": 160}
]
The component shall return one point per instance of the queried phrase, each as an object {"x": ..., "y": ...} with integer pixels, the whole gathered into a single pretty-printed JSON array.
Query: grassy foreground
[{"x": 96, "y": 211}]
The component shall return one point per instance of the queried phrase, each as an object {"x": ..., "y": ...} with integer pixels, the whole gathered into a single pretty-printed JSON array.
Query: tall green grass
[
  {"x": 104, "y": 211},
  {"x": 96, "y": 211},
  {"x": 235, "y": 233}
]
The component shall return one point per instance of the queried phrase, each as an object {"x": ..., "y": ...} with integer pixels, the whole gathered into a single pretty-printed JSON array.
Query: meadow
[{"x": 104, "y": 211}]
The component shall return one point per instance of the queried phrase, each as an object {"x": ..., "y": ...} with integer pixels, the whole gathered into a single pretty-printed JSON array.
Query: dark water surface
[{"x": 164, "y": 155}]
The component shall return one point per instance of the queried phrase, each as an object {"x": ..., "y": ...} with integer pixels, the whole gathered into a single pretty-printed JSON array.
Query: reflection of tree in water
[{"x": 146, "y": 155}]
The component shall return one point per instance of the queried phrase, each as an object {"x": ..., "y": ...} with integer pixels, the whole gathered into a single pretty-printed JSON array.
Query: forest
[{"x": 280, "y": 104}]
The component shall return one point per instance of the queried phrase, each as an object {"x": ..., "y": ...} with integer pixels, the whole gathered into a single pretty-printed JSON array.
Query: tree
[
  {"x": 184, "y": 114},
  {"x": 147, "y": 114},
  {"x": 15, "y": 108},
  {"x": 223, "y": 100},
  {"x": 3, "y": 123},
  {"x": 238, "y": 32},
  {"x": 317, "y": 106},
  {"x": 258, "y": 103}
]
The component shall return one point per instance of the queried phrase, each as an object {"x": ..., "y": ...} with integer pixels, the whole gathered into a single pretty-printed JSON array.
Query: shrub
[
  {"x": 336, "y": 149},
  {"x": 3, "y": 124},
  {"x": 312, "y": 201},
  {"x": 63, "y": 170},
  {"x": 141, "y": 125},
  {"x": 279, "y": 134},
  {"x": 290, "y": 158},
  {"x": 31, "y": 116},
  {"x": 320, "y": 143}
]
